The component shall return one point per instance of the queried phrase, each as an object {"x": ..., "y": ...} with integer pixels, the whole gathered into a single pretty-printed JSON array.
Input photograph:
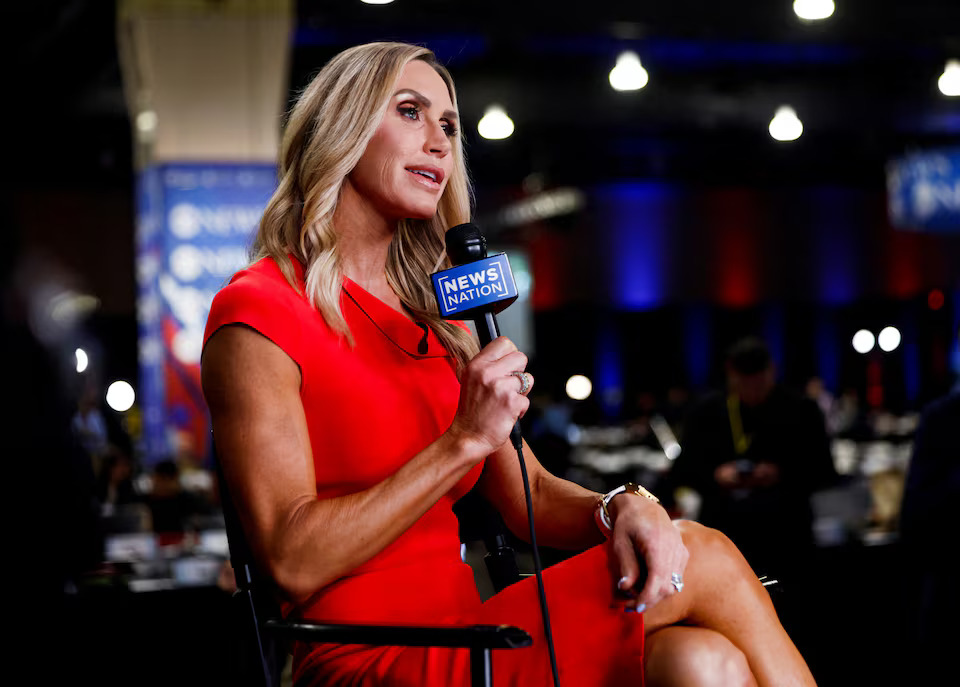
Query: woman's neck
[{"x": 363, "y": 242}]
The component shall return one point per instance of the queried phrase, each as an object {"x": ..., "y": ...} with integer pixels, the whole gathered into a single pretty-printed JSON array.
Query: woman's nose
[{"x": 437, "y": 140}]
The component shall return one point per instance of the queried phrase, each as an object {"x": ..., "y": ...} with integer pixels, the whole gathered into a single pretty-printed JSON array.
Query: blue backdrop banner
[
  {"x": 924, "y": 191},
  {"x": 194, "y": 229}
]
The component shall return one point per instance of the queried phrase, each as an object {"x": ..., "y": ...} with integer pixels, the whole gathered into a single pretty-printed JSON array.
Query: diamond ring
[
  {"x": 676, "y": 579},
  {"x": 524, "y": 381}
]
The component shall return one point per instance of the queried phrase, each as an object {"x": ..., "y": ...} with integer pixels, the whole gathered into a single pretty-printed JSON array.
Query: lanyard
[{"x": 741, "y": 440}]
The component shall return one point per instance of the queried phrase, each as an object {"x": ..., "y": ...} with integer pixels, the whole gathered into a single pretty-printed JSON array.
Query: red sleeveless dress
[{"x": 369, "y": 409}]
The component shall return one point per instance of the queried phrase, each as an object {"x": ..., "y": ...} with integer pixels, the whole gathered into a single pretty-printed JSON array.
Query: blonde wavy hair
[{"x": 326, "y": 133}]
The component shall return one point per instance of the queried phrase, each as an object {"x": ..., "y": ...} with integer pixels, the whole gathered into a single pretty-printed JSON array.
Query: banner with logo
[
  {"x": 195, "y": 225},
  {"x": 924, "y": 191}
]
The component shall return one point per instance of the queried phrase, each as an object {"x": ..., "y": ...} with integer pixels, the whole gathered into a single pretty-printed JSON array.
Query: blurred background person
[
  {"x": 90, "y": 427},
  {"x": 115, "y": 482},
  {"x": 123, "y": 507},
  {"x": 755, "y": 453},
  {"x": 817, "y": 392},
  {"x": 172, "y": 507}
]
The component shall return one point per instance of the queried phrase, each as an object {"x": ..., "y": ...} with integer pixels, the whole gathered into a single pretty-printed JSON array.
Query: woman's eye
[
  {"x": 449, "y": 129},
  {"x": 410, "y": 111}
]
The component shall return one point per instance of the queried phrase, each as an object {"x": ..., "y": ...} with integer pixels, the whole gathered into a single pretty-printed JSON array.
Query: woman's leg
[
  {"x": 721, "y": 593},
  {"x": 679, "y": 656}
]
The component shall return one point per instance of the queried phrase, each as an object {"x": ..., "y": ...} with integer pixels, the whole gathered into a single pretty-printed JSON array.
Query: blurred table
[
  {"x": 145, "y": 561},
  {"x": 178, "y": 636},
  {"x": 156, "y": 612}
]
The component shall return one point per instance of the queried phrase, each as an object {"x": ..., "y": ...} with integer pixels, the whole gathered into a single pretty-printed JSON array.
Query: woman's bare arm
[
  {"x": 562, "y": 510},
  {"x": 252, "y": 389}
]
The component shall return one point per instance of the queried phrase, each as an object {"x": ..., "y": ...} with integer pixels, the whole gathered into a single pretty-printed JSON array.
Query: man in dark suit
[{"x": 756, "y": 453}]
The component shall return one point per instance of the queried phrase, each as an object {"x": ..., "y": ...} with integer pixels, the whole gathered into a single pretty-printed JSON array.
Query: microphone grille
[{"x": 465, "y": 243}]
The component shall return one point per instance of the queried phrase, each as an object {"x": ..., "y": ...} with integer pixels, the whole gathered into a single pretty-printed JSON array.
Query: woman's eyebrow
[{"x": 425, "y": 101}]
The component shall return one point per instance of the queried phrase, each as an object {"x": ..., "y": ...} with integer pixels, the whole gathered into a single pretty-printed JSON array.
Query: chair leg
[{"x": 481, "y": 668}]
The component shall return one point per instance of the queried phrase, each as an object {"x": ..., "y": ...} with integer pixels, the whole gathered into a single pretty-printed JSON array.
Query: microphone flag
[{"x": 481, "y": 286}]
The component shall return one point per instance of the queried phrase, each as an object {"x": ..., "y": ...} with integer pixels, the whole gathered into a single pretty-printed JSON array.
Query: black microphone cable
[
  {"x": 517, "y": 441},
  {"x": 465, "y": 244}
]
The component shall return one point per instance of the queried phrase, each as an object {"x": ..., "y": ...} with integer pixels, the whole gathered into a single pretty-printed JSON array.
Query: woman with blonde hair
[{"x": 350, "y": 418}]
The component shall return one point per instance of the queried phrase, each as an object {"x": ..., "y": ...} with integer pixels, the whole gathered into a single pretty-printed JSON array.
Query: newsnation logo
[{"x": 486, "y": 282}]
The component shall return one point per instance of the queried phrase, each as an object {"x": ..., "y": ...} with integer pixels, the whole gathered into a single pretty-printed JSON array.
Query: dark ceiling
[{"x": 863, "y": 82}]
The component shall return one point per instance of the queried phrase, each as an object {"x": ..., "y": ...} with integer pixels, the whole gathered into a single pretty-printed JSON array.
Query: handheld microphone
[{"x": 476, "y": 288}]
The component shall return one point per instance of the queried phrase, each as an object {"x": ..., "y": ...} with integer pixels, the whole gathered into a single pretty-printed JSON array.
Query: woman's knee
[
  {"x": 711, "y": 547},
  {"x": 718, "y": 662},
  {"x": 695, "y": 657},
  {"x": 702, "y": 537}
]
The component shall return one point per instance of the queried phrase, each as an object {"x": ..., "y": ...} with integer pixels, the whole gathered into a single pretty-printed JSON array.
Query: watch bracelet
[{"x": 605, "y": 521}]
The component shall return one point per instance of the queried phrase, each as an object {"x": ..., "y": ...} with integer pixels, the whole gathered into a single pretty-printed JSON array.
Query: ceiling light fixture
[
  {"x": 628, "y": 74},
  {"x": 812, "y": 10},
  {"x": 950, "y": 79},
  {"x": 495, "y": 123},
  {"x": 785, "y": 125},
  {"x": 376, "y": 2}
]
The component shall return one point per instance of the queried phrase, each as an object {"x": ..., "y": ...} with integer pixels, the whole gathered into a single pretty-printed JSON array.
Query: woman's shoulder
[
  {"x": 266, "y": 274},
  {"x": 263, "y": 282},
  {"x": 260, "y": 297}
]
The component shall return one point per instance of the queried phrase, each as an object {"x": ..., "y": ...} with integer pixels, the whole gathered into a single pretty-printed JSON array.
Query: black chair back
[{"x": 261, "y": 655}]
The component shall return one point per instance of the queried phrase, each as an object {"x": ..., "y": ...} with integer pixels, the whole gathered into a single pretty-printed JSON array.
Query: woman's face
[{"x": 408, "y": 162}]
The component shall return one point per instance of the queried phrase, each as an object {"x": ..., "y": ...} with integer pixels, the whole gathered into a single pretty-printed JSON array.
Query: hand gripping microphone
[{"x": 476, "y": 288}]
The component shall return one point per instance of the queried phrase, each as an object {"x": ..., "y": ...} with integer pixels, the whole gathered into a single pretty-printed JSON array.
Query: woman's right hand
[{"x": 490, "y": 402}]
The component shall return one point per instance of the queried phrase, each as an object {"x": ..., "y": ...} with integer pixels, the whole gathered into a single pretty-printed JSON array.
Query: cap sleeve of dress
[{"x": 262, "y": 299}]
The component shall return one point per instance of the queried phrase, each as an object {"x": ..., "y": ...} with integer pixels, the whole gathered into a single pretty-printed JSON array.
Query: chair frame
[{"x": 256, "y": 603}]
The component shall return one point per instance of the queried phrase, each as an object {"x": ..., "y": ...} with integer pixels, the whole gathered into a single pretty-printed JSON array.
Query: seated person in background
[
  {"x": 194, "y": 476},
  {"x": 349, "y": 418},
  {"x": 122, "y": 506},
  {"x": 756, "y": 453},
  {"x": 115, "y": 487},
  {"x": 171, "y": 506}
]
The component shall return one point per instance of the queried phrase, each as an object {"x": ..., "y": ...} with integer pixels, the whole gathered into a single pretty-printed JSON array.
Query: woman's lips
[{"x": 422, "y": 175}]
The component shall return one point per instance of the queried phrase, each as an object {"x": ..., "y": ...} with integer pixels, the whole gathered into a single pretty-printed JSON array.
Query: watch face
[{"x": 643, "y": 491}]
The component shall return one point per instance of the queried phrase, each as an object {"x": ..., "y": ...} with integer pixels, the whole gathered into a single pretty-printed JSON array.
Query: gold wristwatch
[{"x": 604, "y": 521}]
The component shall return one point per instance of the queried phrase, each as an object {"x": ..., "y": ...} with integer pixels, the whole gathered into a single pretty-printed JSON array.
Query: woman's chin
[{"x": 421, "y": 213}]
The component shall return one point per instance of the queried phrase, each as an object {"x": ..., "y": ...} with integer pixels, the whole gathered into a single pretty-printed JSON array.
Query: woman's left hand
[{"x": 645, "y": 540}]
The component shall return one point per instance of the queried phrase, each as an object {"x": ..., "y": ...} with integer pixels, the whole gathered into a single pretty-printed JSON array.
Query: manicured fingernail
[
  {"x": 639, "y": 608},
  {"x": 622, "y": 584}
]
